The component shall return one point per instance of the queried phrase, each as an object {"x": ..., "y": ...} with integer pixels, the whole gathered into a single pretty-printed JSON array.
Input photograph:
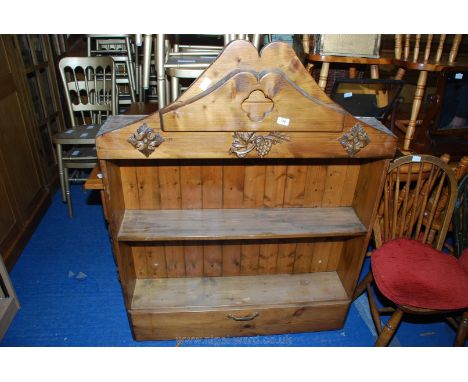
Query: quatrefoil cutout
[{"x": 257, "y": 106}]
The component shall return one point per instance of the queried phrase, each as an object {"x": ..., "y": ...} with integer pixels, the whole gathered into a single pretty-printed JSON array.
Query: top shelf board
[{"x": 234, "y": 224}]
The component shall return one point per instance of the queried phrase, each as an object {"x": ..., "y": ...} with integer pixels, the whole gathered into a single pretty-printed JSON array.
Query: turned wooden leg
[
  {"x": 400, "y": 74},
  {"x": 374, "y": 72},
  {"x": 389, "y": 328},
  {"x": 417, "y": 102},
  {"x": 363, "y": 285},
  {"x": 462, "y": 331},
  {"x": 324, "y": 75}
]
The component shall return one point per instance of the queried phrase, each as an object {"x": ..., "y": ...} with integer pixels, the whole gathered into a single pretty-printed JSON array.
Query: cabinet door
[
  {"x": 20, "y": 169},
  {"x": 8, "y": 223}
]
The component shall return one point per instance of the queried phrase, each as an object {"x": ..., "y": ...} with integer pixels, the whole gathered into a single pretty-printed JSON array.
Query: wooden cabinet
[
  {"x": 244, "y": 207},
  {"x": 38, "y": 67},
  {"x": 24, "y": 179}
]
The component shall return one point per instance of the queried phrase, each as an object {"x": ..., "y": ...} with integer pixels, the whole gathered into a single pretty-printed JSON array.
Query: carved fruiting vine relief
[
  {"x": 145, "y": 140},
  {"x": 355, "y": 139},
  {"x": 245, "y": 142}
]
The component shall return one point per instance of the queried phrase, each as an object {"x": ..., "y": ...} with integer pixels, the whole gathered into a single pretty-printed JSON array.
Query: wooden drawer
[{"x": 217, "y": 323}]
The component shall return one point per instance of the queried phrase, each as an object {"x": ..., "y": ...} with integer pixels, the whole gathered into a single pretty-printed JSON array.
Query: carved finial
[
  {"x": 355, "y": 139},
  {"x": 245, "y": 142},
  {"x": 145, "y": 140}
]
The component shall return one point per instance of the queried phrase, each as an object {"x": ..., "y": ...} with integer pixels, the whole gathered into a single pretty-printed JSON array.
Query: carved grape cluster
[
  {"x": 245, "y": 142},
  {"x": 263, "y": 145}
]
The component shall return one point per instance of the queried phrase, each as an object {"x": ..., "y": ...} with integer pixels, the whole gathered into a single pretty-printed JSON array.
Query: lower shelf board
[
  {"x": 237, "y": 306},
  {"x": 208, "y": 293}
]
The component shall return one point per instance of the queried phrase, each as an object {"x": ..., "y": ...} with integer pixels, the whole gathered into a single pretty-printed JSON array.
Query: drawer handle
[{"x": 247, "y": 318}]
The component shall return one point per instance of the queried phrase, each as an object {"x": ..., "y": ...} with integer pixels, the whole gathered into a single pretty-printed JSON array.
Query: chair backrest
[
  {"x": 417, "y": 201},
  {"x": 426, "y": 47},
  {"x": 90, "y": 89},
  {"x": 460, "y": 218}
]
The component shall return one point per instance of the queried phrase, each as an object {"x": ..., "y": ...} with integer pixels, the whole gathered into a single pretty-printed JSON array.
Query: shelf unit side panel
[{"x": 366, "y": 199}]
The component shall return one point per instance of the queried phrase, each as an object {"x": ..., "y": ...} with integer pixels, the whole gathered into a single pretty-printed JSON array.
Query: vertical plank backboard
[
  {"x": 275, "y": 180},
  {"x": 191, "y": 197},
  {"x": 254, "y": 190},
  {"x": 334, "y": 181},
  {"x": 314, "y": 185},
  {"x": 295, "y": 185},
  {"x": 212, "y": 186},
  {"x": 286, "y": 256},
  {"x": 148, "y": 186},
  {"x": 233, "y": 197},
  {"x": 128, "y": 175},
  {"x": 303, "y": 259},
  {"x": 169, "y": 185}
]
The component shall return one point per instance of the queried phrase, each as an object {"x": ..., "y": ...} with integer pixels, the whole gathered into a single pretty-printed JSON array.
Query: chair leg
[
  {"x": 60, "y": 168},
  {"x": 417, "y": 101},
  {"x": 67, "y": 192},
  {"x": 389, "y": 328},
  {"x": 324, "y": 75},
  {"x": 363, "y": 285},
  {"x": 174, "y": 88},
  {"x": 462, "y": 331}
]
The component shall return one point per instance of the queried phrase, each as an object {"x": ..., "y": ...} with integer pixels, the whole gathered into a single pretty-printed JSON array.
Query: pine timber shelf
[
  {"x": 231, "y": 224},
  {"x": 244, "y": 207},
  {"x": 237, "y": 292}
]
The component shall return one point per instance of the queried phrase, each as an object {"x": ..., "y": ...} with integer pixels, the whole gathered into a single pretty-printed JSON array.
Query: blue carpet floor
[{"x": 67, "y": 284}]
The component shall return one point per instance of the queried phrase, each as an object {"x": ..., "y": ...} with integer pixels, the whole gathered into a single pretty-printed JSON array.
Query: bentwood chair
[
  {"x": 415, "y": 276},
  {"x": 91, "y": 96},
  {"x": 423, "y": 61}
]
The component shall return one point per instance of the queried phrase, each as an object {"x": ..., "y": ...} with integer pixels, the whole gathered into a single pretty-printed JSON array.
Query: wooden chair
[
  {"x": 460, "y": 218},
  {"x": 423, "y": 61},
  {"x": 350, "y": 61},
  {"x": 91, "y": 96},
  {"x": 414, "y": 275}
]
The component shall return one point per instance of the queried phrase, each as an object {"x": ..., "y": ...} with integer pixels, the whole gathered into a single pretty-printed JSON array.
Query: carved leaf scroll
[
  {"x": 145, "y": 140},
  {"x": 245, "y": 142}
]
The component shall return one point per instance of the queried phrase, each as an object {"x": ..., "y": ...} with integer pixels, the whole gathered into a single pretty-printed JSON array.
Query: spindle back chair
[
  {"x": 423, "y": 53},
  {"x": 403, "y": 233},
  {"x": 460, "y": 218}
]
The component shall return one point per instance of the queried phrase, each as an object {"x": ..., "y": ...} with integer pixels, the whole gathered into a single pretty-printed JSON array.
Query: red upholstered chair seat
[{"x": 414, "y": 274}]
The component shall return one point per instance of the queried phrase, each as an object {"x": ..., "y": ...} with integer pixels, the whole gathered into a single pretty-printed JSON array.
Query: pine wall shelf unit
[{"x": 244, "y": 207}]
